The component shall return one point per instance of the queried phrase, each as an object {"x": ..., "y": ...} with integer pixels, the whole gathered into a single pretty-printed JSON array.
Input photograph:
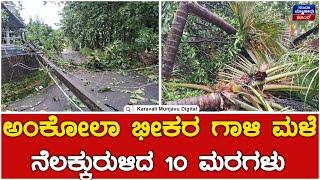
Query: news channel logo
[{"x": 304, "y": 12}]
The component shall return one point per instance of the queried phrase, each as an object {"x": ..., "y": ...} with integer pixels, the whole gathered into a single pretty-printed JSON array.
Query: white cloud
[{"x": 48, "y": 13}]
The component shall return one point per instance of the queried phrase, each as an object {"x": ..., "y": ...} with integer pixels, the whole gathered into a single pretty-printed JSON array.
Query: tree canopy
[
  {"x": 111, "y": 34},
  {"x": 95, "y": 24}
]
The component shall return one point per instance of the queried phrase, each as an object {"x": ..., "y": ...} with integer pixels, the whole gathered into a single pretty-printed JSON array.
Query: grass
[
  {"x": 30, "y": 84},
  {"x": 85, "y": 51}
]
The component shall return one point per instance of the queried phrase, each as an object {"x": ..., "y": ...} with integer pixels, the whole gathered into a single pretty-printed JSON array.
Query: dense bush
[
  {"x": 43, "y": 36},
  {"x": 116, "y": 54},
  {"x": 111, "y": 33}
]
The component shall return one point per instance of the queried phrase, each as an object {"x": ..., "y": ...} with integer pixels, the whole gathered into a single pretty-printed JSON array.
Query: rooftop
[{"x": 14, "y": 22}]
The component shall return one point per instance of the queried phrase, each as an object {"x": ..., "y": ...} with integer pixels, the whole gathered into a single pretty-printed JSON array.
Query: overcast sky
[{"x": 48, "y": 13}]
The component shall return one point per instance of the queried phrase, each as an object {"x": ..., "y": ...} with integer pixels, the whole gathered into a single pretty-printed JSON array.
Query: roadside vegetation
[{"x": 31, "y": 84}]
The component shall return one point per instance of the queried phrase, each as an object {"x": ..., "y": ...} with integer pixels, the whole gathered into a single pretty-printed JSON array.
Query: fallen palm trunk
[
  {"x": 208, "y": 16},
  {"x": 212, "y": 101},
  {"x": 299, "y": 39},
  {"x": 176, "y": 31}
]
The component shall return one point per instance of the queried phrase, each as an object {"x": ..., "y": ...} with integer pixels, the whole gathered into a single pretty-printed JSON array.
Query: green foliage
[
  {"x": 65, "y": 64},
  {"x": 54, "y": 42},
  {"x": 96, "y": 24},
  {"x": 85, "y": 51},
  {"x": 49, "y": 40},
  {"x": 38, "y": 31},
  {"x": 304, "y": 59},
  {"x": 30, "y": 84},
  {"x": 4, "y": 17},
  {"x": 147, "y": 39},
  {"x": 116, "y": 55},
  {"x": 136, "y": 96},
  {"x": 104, "y": 89},
  {"x": 262, "y": 32},
  {"x": 151, "y": 73},
  {"x": 112, "y": 34}
]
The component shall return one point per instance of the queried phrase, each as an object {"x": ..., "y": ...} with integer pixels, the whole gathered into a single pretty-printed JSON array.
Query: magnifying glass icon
[{"x": 127, "y": 109}]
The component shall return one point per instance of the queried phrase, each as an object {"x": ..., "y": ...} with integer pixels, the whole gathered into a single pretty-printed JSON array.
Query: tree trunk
[
  {"x": 174, "y": 39},
  {"x": 207, "y": 15},
  {"x": 97, "y": 40},
  {"x": 299, "y": 39},
  {"x": 212, "y": 101}
]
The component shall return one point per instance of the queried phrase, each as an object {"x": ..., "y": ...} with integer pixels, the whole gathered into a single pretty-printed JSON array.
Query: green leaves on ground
[
  {"x": 136, "y": 96},
  {"x": 25, "y": 87}
]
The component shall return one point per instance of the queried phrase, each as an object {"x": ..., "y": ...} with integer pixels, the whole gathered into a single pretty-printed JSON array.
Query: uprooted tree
[{"x": 272, "y": 70}]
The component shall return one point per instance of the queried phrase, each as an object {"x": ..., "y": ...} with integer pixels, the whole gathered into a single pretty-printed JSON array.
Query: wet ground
[{"x": 113, "y": 89}]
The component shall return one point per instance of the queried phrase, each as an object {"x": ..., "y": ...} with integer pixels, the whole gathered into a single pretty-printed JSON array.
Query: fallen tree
[{"x": 178, "y": 24}]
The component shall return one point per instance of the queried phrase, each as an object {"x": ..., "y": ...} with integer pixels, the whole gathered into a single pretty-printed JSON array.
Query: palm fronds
[{"x": 263, "y": 34}]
